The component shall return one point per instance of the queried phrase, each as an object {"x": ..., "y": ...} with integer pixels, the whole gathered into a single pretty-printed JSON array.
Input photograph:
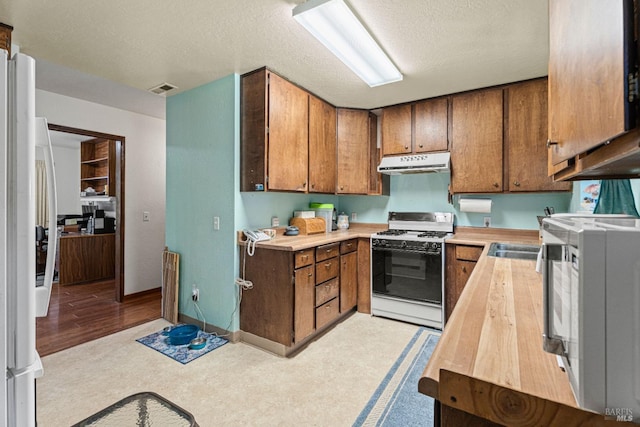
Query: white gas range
[{"x": 407, "y": 262}]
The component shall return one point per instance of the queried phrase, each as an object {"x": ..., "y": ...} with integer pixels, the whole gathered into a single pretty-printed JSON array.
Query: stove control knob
[
  {"x": 403, "y": 244},
  {"x": 383, "y": 243},
  {"x": 434, "y": 245},
  {"x": 375, "y": 242}
]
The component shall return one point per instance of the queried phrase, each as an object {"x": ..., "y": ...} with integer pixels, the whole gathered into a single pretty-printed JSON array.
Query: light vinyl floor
[{"x": 327, "y": 384}]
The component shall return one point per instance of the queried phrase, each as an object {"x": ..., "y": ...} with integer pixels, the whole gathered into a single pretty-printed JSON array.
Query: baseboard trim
[{"x": 231, "y": 336}]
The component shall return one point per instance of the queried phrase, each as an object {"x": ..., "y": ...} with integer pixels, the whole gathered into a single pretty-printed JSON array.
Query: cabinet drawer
[
  {"x": 304, "y": 257},
  {"x": 327, "y": 269},
  {"x": 468, "y": 253},
  {"x": 327, "y": 291},
  {"x": 327, "y": 312},
  {"x": 327, "y": 251},
  {"x": 348, "y": 246}
]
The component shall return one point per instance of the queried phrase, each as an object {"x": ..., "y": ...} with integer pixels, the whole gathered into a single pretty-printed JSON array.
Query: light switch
[
  {"x": 216, "y": 223},
  {"x": 145, "y": 216}
]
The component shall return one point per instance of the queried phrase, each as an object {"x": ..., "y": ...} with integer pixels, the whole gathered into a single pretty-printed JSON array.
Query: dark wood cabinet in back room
[{"x": 98, "y": 165}]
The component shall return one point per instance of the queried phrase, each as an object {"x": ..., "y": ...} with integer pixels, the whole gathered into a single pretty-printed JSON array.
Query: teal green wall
[
  {"x": 202, "y": 158},
  {"x": 203, "y": 170}
]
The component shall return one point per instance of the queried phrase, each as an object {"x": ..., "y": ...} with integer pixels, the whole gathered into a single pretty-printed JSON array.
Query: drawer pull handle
[
  {"x": 310, "y": 274},
  {"x": 349, "y": 244},
  {"x": 516, "y": 183},
  {"x": 327, "y": 265}
]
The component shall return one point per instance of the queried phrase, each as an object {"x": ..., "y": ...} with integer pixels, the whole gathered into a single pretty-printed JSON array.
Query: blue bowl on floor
[{"x": 183, "y": 334}]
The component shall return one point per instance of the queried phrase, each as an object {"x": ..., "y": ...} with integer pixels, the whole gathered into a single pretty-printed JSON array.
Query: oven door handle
[{"x": 414, "y": 251}]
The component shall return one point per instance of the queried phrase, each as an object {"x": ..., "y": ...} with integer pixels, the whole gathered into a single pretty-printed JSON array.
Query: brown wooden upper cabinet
[
  {"x": 592, "y": 100},
  {"x": 498, "y": 141},
  {"x": 525, "y": 139},
  {"x": 322, "y": 146},
  {"x": 419, "y": 127},
  {"x": 274, "y": 134},
  {"x": 353, "y": 151},
  {"x": 476, "y": 142}
]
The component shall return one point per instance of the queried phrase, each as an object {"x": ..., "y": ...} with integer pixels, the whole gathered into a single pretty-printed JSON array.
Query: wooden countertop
[
  {"x": 296, "y": 243},
  {"x": 77, "y": 234},
  {"x": 489, "y": 360}
]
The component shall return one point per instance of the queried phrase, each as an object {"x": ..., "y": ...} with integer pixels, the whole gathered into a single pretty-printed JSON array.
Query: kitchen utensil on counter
[
  {"x": 292, "y": 230},
  {"x": 343, "y": 221}
]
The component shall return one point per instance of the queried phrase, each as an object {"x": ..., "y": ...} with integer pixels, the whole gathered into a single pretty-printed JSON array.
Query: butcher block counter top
[
  {"x": 489, "y": 361},
  {"x": 299, "y": 242}
]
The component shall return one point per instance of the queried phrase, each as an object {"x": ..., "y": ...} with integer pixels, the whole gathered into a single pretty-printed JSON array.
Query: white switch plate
[
  {"x": 216, "y": 223},
  {"x": 145, "y": 216},
  {"x": 354, "y": 216}
]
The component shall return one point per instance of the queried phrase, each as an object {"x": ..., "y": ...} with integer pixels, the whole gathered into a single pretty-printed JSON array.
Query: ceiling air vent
[{"x": 162, "y": 88}]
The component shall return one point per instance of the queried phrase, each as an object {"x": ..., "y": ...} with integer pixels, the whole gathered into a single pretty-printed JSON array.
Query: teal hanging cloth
[{"x": 616, "y": 197}]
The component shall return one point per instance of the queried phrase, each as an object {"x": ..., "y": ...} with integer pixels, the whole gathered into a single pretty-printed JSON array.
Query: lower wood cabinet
[
  {"x": 460, "y": 262},
  {"x": 296, "y": 294},
  {"x": 348, "y": 275},
  {"x": 86, "y": 258}
]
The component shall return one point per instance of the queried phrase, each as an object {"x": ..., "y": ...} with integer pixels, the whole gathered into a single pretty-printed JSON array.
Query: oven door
[{"x": 407, "y": 274}]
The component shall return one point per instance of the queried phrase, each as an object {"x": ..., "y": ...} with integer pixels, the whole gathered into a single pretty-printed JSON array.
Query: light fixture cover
[{"x": 336, "y": 27}]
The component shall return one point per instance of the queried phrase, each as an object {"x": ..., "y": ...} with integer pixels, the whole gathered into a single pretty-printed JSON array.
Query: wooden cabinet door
[
  {"x": 526, "y": 138},
  {"x": 348, "y": 281},
  {"x": 396, "y": 130},
  {"x": 288, "y": 152},
  {"x": 322, "y": 146},
  {"x": 587, "y": 73},
  {"x": 305, "y": 303},
  {"x": 476, "y": 142},
  {"x": 457, "y": 274},
  {"x": 430, "y": 123},
  {"x": 364, "y": 276},
  {"x": 353, "y": 151}
]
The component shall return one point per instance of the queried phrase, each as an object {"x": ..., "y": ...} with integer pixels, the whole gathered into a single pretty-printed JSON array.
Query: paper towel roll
[{"x": 475, "y": 205}]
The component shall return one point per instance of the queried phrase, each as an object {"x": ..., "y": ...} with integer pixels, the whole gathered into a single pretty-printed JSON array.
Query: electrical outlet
[
  {"x": 145, "y": 216},
  {"x": 216, "y": 223},
  {"x": 487, "y": 221},
  {"x": 195, "y": 293},
  {"x": 354, "y": 216}
]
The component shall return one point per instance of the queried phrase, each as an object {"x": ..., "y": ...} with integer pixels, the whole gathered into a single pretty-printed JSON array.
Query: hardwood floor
[{"x": 81, "y": 313}]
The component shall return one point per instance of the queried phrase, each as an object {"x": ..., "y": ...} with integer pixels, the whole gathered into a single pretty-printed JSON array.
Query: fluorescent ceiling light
[{"x": 336, "y": 27}]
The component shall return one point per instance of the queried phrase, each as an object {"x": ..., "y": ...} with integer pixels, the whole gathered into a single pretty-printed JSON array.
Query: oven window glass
[{"x": 407, "y": 275}]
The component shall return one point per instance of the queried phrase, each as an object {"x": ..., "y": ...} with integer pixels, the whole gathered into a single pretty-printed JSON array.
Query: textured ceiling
[{"x": 441, "y": 46}]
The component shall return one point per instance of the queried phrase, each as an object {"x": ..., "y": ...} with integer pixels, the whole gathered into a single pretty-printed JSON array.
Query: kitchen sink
[{"x": 513, "y": 251}]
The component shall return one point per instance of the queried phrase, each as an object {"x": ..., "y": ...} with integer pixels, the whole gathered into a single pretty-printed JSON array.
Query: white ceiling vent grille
[{"x": 162, "y": 88}]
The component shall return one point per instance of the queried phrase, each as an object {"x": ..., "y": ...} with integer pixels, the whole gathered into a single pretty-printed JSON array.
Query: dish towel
[{"x": 616, "y": 197}]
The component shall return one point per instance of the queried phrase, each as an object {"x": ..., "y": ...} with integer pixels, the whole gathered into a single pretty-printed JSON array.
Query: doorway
[{"x": 119, "y": 170}]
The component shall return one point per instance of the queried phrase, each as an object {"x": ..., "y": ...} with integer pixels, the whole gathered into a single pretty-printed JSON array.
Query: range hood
[{"x": 415, "y": 163}]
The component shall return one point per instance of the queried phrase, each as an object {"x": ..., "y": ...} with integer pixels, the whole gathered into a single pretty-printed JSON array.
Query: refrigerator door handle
[{"x": 43, "y": 293}]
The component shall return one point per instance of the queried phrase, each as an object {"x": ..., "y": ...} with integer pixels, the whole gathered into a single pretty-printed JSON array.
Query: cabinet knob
[
  {"x": 313, "y": 186},
  {"x": 421, "y": 145},
  {"x": 550, "y": 143},
  {"x": 341, "y": 187},
  {"x": 304, "y": 184},
  {"x": 464, "y": 269},
  {"x": 406, "y": 147},
  {"x": 495, "y": 184},
  {"x": 310, "y": 274},
  {"x": 516, "y": 183}
]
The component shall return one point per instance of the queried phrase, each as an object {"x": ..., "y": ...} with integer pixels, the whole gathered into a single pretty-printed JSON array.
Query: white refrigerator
[{"x": 21, "y": 133}]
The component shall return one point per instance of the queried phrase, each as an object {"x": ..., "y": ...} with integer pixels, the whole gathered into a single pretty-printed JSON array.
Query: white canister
[{"x": 343, "y": 221}]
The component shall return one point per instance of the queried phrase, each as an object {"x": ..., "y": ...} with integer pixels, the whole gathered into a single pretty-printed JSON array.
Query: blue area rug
[
  {"x": 182, "y": 353},
  {"x": 397, "y": 401}
]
